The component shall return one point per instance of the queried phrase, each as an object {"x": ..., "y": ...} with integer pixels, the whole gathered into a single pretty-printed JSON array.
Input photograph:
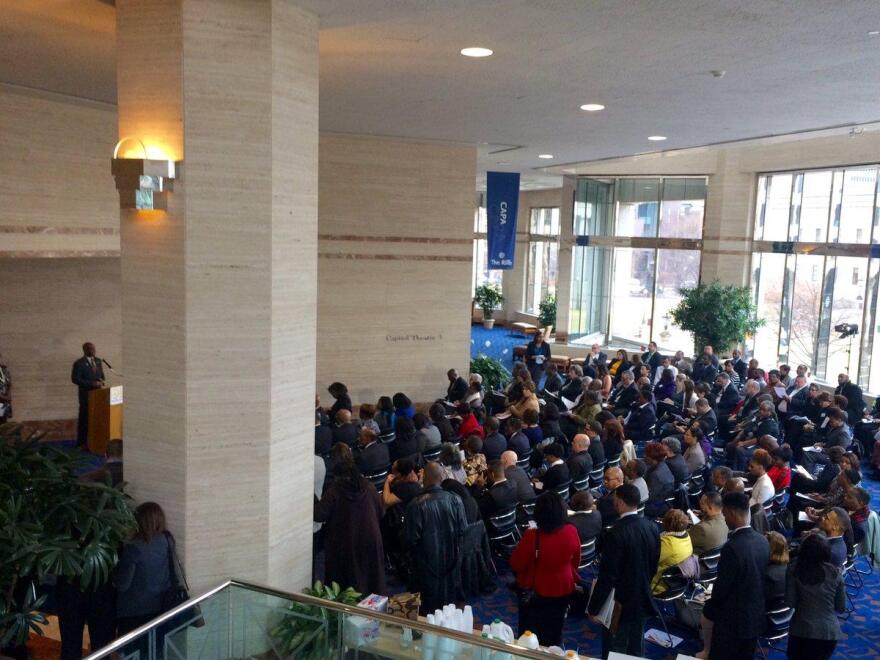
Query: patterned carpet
[{"x": 497, "y": 343}]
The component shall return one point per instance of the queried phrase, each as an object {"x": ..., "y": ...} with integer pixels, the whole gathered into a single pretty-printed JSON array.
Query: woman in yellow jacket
[{"x": 675, "y": 545}]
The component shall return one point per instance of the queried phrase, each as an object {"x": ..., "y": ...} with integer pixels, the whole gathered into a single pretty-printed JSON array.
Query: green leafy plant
[
  {"x": 51, "y": 523},
  {"x": 311, "y": 631},
  {"x": 547, "y": 311},
  {"x": 488, "y": 298},
  {"x": 718, "y": 314},
  {"x": 495, "y": 375}
]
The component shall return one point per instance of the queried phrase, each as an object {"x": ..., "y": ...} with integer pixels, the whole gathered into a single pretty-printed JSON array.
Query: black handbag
[
  {"x": 178, "y": 592},
  {"x": 526, "y": 595}
]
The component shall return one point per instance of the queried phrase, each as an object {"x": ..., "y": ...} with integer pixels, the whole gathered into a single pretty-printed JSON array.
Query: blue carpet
[{"x": 496, "y": 343}]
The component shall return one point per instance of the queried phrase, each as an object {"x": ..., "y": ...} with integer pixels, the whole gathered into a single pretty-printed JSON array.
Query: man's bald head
[
  {"x": 343, "y": 416},
  {"x": 613, "y": 478},
  {"x": 508, "y": 458},
  {"x": 581, "y": 442},
  {"x": 433, "y": 475}
]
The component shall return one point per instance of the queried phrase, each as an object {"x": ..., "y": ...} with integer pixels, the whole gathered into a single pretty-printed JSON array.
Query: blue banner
[{"x": 502, "y": 200}]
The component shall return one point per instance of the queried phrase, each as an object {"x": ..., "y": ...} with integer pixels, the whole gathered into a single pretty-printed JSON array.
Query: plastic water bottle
[
  {"x": 468, "y": 620},
  {"x": 428, "y": 640}
]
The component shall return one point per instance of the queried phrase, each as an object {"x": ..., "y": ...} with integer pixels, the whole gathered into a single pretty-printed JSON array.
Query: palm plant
[{"x": 51, "y": 523}]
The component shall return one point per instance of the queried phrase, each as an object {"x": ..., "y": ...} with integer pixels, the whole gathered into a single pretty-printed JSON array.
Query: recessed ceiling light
[
  {"x": 873, "y": 33},
  {"x": 656, "y": 138},
  {"x": 592, "y": 107},
  {"x": 476, "y": 51},
  {"x": 545, "y": 156}
]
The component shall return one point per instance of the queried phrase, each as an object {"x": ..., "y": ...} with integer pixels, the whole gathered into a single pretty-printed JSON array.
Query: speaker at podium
[{"x": 105, "y": 417}]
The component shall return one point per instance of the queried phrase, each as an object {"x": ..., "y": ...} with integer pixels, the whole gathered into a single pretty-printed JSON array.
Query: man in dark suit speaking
[{"x": 87, "y": 374}]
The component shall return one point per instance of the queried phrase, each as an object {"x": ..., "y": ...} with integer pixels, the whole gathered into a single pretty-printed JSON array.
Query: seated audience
[
  {"x": 366, "y": 413},
  {"x": 762, "y": 487},
  {"x": 855, "y": 406},
  {"x": 474, "y": 460},
  {"x": 711, "y": 532},
  {"x": 531, "y": 429},
  {"x": 527, "y": 401},
  {"x": 584, "y": 516},
  {"x": 612, "y": 480},
  {"x": 596, "y": 448},
  {"x": 385, "y": 416},
  {"x": 816, "y": 591},
  {"x": 517, "y": 440},
  {"x": 675, "y": 461},
  {"x": 573, "y": 387},
  {"x": 406, "y": 441},
  {"x": 661, "y": 482},
  {"x": 450, "y": 463},
  {"x": 518, "y": 477},
  {"x": 634, "y": 473},
  {"x": 551, "y": 382},
  {"x": 556, "y": 474},
  {"x": 580, "y": 463},
  {"x": 457, "y": 389},
  {"x": 403, "y": 407},
  {"x": 471, "y": 509},
  {"x": 469, "y": 424},
  {"x": 474, "y": 395},
  {"x": 550, "y": 423},
  {"x": 857, "y": 504},
  {"x": 775, "y": 575},
  {"x": 694, "y": 456},
  {"x": 613, "y": 439},
  {"x": 619, "y": 365},
  {"x": 345, "y": 430},
  {"x": 780, "y": 472},
  {"x": 494, "y": 443},
  {"x": 373, "y": 455},
  {"x": 665, "y": 387},
  {"x": 675, "y": 546},
  {"x": 438, "y": 416},
  {"x": 624, "y": 395},
  {"x": 429, "y": 435},
  {"x": 402, "y": 483},
  {"x": 499, "y": 495}
]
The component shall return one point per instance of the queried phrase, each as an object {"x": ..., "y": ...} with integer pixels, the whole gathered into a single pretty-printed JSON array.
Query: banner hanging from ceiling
[{"x": 502, "y": 200}]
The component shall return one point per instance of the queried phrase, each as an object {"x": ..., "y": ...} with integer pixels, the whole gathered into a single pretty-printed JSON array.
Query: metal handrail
[{"x": 420, "y": 626}]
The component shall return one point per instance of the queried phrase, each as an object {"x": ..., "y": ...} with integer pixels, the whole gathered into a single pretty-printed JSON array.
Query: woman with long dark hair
[
  {"x": 143, "y": 574},
  {"x": 351, "y": 510},
  {"x": 342, "y": 400},
  {"x": 816, "y": 592},
  {"x": 546, "y": 563}
]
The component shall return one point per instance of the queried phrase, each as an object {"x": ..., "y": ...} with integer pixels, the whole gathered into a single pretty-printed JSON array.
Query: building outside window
[
  {"x": 482, "y": 274},
  {"x": 543, "y": 257},
  {"x": 815, "y": 272},
  {"x": 637, "y": 241}
]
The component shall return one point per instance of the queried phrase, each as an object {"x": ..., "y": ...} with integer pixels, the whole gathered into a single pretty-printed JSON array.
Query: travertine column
[
  {"x": 219, "y": 292},
  {"x": 566, "y": 257}
]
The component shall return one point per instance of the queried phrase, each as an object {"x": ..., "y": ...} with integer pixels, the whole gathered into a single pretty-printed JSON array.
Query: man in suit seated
[
  {"x": 584, "y": 516},
  {"x": 458, "y": 387},
  {"x": 518, "y": 477},
  {"x": 624, "y": 395},
  {"x": 580, "y": 463},
  {"x": 726, "y": 396},
  {"x": 494, "y": 443},
  {"x": 500, "y": 494},
  {"x": 740, "y": 581},
  {"x": 612, "y": 480},
  {"x": 557, "y": 474},
  {"x": 517, "y": 441},
  {"x": 747, "y": 410},
  {"x": 838, "y": 435},
  {"x": 675, "y": 461},
  {"x": 740, "y": 448},
  {"x": 373, "y": 455},
  {"x": 711, "y": 532},
  {"x": 651, "y": 358},
  {"x": 638, "y": 425},
  {"x": 345, "y": 430},
  {"x": 630, "y": 554}
]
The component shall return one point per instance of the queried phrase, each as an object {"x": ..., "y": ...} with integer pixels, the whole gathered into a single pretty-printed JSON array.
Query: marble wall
[{"x": 394, "y": 265}]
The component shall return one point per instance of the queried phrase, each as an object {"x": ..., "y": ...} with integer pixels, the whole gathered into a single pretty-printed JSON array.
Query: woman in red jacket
[
  {"x": 469, "y": 424},
  {"x": 546, "y": 566}
]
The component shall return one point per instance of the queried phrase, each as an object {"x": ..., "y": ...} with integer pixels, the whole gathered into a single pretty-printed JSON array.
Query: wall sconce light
[{"x": 143, "y": 183}]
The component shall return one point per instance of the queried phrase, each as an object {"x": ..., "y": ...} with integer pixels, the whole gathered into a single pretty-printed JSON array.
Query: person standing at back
[
  {"x": 630, "y": 554},
  {"x": 434, "y": 524},
  {"x": 736, "y": 606},
  {"x": 87, "y": 374}
]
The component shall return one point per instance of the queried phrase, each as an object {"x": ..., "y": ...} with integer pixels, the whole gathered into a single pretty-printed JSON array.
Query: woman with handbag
[
  {"x": 546, "y": 566},
  {"x": 144, "y": 573}
]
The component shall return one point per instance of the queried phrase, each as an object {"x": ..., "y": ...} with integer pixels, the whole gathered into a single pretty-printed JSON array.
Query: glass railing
[{"x": 251, "y": 622}]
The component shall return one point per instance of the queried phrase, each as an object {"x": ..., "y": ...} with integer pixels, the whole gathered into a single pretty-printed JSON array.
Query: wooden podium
[{"x": 105, "y": 417}]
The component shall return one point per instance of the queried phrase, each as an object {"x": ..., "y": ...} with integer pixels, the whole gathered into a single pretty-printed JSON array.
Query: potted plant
[
  {"x": 51, "y": 523},
  {"x": 720, "y": 315},
  {"x": 495, "y": 375},
  {"x": 310, "y": 631},
  {"x": 547, "y": 312},
  {"x": 488, "y": 298}
]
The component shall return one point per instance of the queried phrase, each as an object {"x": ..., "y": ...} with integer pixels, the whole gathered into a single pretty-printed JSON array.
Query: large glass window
[
  {"x": 482, "y": 274},
  {"x": 624, "y": 293},
  {"x": 543, "y": 256},
  {"x": 815, "y": 277}
]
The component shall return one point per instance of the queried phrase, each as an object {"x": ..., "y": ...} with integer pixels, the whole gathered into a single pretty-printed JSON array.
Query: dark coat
[
  {"x": 555, "y": 477},
  {"x": 494, "y": 445},
  {"x": 580, "y": 465},
  {"x": 798, "y": 403},
  {"x": 323, "y": 440},
  {"x": 373, "y": 458},
  {"x": 347, "y": 433},
  {"x": 838, "y": 437},
  {"x": 497, "y": 498},
  {"x": 622, "y": 398},
  {"x": 597, "y": 452},
  {"x": 741, "y": 367},
  {"x": 630, "y": 553},
  {"x": 749, "y": 408},
  {"x": 434, "y": 526},
  {"x": 587, "y": 523},
  {"x": 660, "y": 482},
  {"x": 729, "y": 398},
  {"x": 740, "y": 585},
  {"x": 343, "y": 402},
  {"x": 709, "y": 420},
  {"x": 407, "y": 446},
  {"x": 84, "y": 376},
  {"x": 678, "y": 466},
  {"x": 517, "y": 476},
  {"x": 552, "y": 384},
  {"x": 354, "y": 553},
  {"x": 855, "y": 402},
  {"x": 640, "y": 424},
  {"x": 519, "y": 443},
  {"x": 456, "y": 390}
]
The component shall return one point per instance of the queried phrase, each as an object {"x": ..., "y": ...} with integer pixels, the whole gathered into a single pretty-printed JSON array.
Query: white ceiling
[{"x": 392, "y": 67}]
